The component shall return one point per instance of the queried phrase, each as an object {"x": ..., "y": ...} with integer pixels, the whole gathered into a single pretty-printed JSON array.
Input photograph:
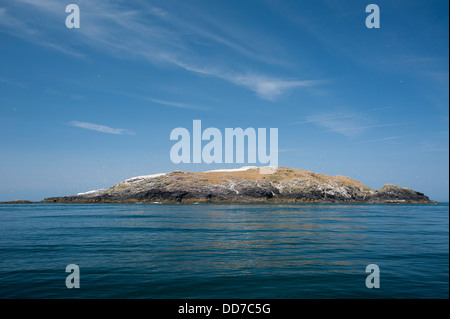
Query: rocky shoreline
[{"x": 244, "y": 185}]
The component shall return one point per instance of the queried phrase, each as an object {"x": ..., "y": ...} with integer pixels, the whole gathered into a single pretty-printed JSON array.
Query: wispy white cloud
[
  {"x": 346, "y": 124},
  {"x": 269, "y": 88},
  {"x": 425, "y": 143},
  {"x": 210, "y": 28},
  {"x": 101, "y": 128},
  {"x": 266, "y": 87},
  {"x": 432, "y": 146},
  {"x": 333, "y": 116},
  {"x": 175, "y": 104},
  {"x": 166, "y": 39},
  {"x": 180, "y": 105},
  {"x": 158, "y": 12},
  {"x": 399, "y": 56},
  {"x": 18, "y": 26},
  {"x": 365, "y": 127},
  {"x": 376, "y": 140},
  {"x": 349, "y": 124},
  {"x": 12, "y": 82}
]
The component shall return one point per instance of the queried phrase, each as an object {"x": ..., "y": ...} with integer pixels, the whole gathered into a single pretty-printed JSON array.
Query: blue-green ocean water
[{"x": 224, "y": 251}]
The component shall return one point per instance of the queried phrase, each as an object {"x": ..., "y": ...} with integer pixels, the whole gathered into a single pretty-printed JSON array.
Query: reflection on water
[
  {"x": 131, "y": 250},
  {"x": 241, "y": 241}
]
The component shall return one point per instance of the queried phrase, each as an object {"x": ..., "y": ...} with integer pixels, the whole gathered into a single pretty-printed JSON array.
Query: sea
[{"x": 248, "y": 251}]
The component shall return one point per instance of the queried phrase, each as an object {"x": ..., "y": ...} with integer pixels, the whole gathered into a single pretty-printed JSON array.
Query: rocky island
[{"x": 245, "y": 185}]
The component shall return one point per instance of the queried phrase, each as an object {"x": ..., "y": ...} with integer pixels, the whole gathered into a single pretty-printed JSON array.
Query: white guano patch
[
  {"x": 138, "y": 178},
  {"x": 91, "y": 192},
  {"x": 242, "y": 169}
]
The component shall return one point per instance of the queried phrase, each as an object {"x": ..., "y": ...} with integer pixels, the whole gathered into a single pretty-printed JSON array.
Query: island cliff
[{"x": 244, "y": 185}]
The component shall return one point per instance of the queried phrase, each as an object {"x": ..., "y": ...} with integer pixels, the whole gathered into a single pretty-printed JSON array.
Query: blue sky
[{"x": 85, "y": 108}]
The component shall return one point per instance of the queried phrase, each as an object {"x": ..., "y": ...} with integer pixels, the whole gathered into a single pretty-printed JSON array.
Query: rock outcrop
[{"x": 245, "y": 185}]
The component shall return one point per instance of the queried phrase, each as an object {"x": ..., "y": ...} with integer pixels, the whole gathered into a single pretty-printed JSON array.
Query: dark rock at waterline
[{"x": 19, "y": 201}]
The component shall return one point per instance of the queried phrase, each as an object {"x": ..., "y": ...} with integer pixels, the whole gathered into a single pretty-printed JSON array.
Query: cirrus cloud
[{"x": 101, "y": 128}]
